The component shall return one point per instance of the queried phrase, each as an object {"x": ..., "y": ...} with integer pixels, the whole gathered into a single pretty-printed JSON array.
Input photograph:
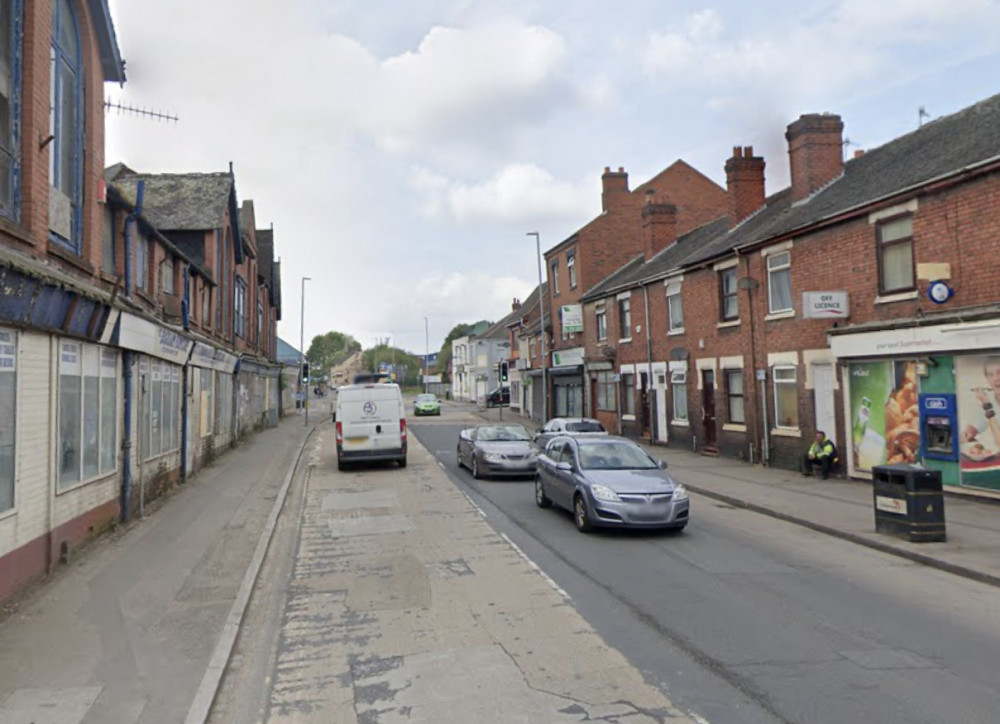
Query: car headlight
[
  {"x": 680, "y": 492},
  {"x": 492, "y": 457},
  {"x": 602, "y": 492}
]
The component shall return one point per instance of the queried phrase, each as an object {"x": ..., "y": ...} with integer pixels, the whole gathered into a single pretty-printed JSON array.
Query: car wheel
[
  {"x": 580, "y": 517},
  {"x": 475, "y": 468},
  {"x": 458, "y": 459},
  {"x": 541, "y": 499}
]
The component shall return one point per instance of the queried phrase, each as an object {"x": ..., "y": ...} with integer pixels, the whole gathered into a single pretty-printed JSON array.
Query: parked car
[
  {"x": 370, "y": 424},
  {"x": 489, "y": 450},
  {"x": 609, "y": 481},
  {"x": 499, "y": 396},
  {"x": 576, "y": 426},
  {"x": 427, "y": 404}
]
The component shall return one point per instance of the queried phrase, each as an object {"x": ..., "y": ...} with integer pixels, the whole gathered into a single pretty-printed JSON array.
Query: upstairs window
[
  {"x": 239, "y": 308},
  {"x": 779, "y": 282},
  {"x": 602, "y": 325},
  {"x": 167, "y": 276},
  {"x": 895, "y": 255},
  {"x": 675, "y": 310},
  {"x": 729, "y": 301},
  {"x": 10, "y": 107},
  {"x": 66, "y": 127},
  {"x": 555, "y": 279},
  {"x": 571, "y": 268},
  {"x": 625, "y": 318},
  {"x": 141, "y": 261}
]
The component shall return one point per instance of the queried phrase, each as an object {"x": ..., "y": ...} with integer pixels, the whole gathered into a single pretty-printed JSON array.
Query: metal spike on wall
[{"x": 143, "y": 112}]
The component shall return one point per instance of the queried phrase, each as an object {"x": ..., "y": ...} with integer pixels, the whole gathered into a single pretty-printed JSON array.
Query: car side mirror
[
  {"x": 464, "y": 435},
  {"x": 564, "y": 466},
  {"x": 662, "y": 464}
]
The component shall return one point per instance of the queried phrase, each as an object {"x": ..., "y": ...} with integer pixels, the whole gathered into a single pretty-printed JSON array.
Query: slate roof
[
  {"x": 939, "y": 149},
  {"x": 180, "y": 202},
  {"x": 287, "y": 353}
]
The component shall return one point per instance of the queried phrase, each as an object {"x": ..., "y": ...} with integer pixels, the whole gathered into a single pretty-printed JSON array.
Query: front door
[
  {"x": 826, "y": 418},
  {"x": 708, "y": 406}
]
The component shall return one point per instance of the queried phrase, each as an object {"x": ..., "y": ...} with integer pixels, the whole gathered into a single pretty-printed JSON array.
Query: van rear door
[{"x": 370, "y": 417}]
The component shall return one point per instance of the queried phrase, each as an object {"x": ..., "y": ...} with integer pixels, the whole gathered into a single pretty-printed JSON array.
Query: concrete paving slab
[{"x": 49, "y": 706}]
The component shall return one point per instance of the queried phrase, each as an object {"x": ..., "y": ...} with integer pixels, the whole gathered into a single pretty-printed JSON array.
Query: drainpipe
[
  {"x": 649, "y": 365},
  {"x": 126, "y": 491},
  {"x": 235, "y": 413},
  {"x": 761, "y": 437}
]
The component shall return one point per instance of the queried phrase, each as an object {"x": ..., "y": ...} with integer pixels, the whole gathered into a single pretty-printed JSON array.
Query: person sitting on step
[{"x": 822, "y": 453}]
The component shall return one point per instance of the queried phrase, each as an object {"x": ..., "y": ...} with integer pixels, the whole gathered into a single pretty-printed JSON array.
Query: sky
[{"x": 403, "y": 149}]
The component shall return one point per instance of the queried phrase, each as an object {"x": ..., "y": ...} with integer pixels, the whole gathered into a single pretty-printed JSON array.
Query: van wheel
[
  {"x": 341, "y": 465},
  {"x": 402, "y": 462}
]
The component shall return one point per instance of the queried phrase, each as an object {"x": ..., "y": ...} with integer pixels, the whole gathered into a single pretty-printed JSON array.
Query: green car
[{"x": 427, "y": 404}]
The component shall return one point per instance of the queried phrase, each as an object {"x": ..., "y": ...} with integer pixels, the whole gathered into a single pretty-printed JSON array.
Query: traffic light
[
  {"x": 305, "y": 373},
  {"x": 503, "y": 371}
]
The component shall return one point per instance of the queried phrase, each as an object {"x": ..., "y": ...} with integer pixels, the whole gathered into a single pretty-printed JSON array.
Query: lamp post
[
  {"x": 541, "y": 310},
  {"x": 302, "y": 352},
  {"x": 427, "y": 352}
]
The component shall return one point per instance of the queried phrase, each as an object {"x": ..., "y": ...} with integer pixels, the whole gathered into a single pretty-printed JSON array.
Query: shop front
[
  {"x": 567, "y": 383},
  {"x": 927, "y": 395}
]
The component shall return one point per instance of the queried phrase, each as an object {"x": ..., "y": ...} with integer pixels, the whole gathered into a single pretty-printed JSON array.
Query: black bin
[{"x": 909, "y": 502}]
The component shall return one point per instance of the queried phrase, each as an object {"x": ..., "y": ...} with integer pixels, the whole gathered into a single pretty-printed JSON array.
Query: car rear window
[{"x": 585, "y": 426}]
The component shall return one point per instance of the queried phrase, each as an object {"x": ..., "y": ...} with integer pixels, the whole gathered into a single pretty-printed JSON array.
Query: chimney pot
[
  {"x": 621, "y": 169},
  {"x": 748, "y": 151},
  {"x": 607, "y": 169},
  {"x": 858, "y": 153}
]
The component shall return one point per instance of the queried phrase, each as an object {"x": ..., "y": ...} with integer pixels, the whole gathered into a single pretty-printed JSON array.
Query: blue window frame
[
  {"x": 66, "y": 127},
  {"x": 11, "y": 29}
]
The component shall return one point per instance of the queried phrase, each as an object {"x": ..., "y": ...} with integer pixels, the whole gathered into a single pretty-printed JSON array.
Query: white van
[{"x": 371, "y": 424}]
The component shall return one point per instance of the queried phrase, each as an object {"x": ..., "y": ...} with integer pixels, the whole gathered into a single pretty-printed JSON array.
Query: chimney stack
[
  {"x": 615, "y": 187},
  {"x": 659, "y": 225},
  {"x": 745, "y": 184},
  {"x": 515, "y": 305},
  {"x": 815, "y": 152}
]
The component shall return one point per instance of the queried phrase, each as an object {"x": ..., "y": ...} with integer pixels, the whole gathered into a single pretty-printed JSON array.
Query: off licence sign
[{"x": 825, "y": 305}]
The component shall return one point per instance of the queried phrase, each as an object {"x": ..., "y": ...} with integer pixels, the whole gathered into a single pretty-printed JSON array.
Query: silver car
[
  {"x": 489, "y": 450},
  {"x": 559, "y": 426},
  {"x": 609, "y": 481}
]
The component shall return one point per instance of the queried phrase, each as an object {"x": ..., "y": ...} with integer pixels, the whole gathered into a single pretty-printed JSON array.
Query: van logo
[
  {"x": 935, "y": 403},
  {"x": 369, "y": 408}
]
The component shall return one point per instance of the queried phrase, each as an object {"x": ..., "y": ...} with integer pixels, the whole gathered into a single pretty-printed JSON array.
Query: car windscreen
[
  {"x": 426, "y": 398},
  {"x": 585, "y": 426},
  {"x": 503, "y": 433},
  {"x": 614, "y": 456}
]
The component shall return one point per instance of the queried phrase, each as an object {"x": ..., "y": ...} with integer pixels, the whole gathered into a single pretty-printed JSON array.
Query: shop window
[
  {"x": 88, "y": 403},
  {"x": 625, "y": 318},
  {"x": 734, "y": 396},
  {"x": 786, "y": 397},
  {"x": 8, "y": 416},
  {"x": 678, "y": 393},
  {"x": 675, "y": 310},
  {"x": 66, "y": 127},
  {"x": 895, "y": 255},
  {"x": 207, "y": 402},
  {"x": 160, "y": 407},
  {"x": 779, "y": 282},
  {"x": 628, "y": 394},
  {"x": 602, "y": 325},
  {"x": 606, "y": 391},
  {"x": 10, "y": 111},
  {"x": 729, "y": 301}
]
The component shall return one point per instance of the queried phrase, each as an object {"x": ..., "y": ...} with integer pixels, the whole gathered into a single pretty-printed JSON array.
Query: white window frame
[
  {"x": 625, "y": 325},
  {"x": 678, "y": 381},
  {"x": 776, "y": 267},
  {"x": 606, "y": 391},
  {"x": 726, "y": 373},
  {"x": 8, "y": 414},
  {"x": 571, "y": 268},
  {"x": 554, "y": 267},
  {"x": 673, "y": 292},
  {"x": 777, "y": 380},
  {"x": 601, "y": 319},
  {"x": 74, "y": 360},
  {"x": 167, "y": 275}
]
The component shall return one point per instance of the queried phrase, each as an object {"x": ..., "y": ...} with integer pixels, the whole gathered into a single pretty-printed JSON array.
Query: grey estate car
[{"x": 609, "y": 481}]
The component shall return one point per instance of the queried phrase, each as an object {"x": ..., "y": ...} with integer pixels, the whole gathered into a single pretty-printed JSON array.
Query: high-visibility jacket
[{"x": 821, "y": 449}]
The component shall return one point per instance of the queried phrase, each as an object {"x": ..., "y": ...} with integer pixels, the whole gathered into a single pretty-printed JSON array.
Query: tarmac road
[{"x": 745, "y": 618}]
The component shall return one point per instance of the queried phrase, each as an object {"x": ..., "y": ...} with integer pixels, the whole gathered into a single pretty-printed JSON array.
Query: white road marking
[
  {"x": 543, "y": 574},
  {"x": 473, "y": 503}
]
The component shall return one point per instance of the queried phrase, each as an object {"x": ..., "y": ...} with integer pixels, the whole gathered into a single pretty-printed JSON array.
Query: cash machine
[{"x": 938, "y": 426}]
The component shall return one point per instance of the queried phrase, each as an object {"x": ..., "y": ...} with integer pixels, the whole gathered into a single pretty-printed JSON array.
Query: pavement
[{"x": 839, "y": 507}]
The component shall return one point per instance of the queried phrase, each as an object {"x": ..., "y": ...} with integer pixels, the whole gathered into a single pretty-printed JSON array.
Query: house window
[
  {"x": 10, "y": 110},
  {"x": 531, "y": 348},
  {"x": 206, "y": 306},
  {"x": 8, "y": 415},
  {"x": 571, "y": 268},
  {"x": 88, "y": 403},
  {"x": 555, "y": 278},
  {"x": 628, "y": 394},
  {"x": 108, "y": 242},
  {"x": 65, "y": 125},
  {"x": 606, "y": 391},
  {"x": 895, "y": 255},
  {"x": 734, "y": 396},
  {"x": 260, "y": 322},
  {"x": 602, "y": 325},
  {"x": 625, "y": 317},
  {"x": 239, "y": 308},
  {"x": 786, "y": 397},
  {"x": 167, "y": 275},
  {"x": 679, "y": 395},
  {"x": 675, "y": 310},
  {"x": 779, "y": 282},
  {"x": 141, "y": 261},
  {"x": 727, "y": 292}
]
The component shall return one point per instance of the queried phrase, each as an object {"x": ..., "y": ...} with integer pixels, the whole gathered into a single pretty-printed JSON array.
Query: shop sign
[
  {"x": 572, "y": 318},
  {"x": 825, "y": 305},
  {"x": 917, "y": 340},
  {"x": 568, "y": 357},
  {"x": 138, "y": 334},
  {"x": 212, "y": 358}
]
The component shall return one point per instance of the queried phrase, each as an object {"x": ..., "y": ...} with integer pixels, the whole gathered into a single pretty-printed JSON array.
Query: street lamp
[
  {"x": 541, "y": 309},
  {"x": 302, "y": 350},
  {"x": 427, "y": 352}
]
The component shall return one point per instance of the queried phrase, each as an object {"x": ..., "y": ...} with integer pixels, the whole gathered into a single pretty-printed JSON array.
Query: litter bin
[{"x": 909, "y": 502}]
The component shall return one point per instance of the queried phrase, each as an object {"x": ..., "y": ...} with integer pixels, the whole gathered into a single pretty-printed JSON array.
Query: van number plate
[{"x": 357, "y": 439}]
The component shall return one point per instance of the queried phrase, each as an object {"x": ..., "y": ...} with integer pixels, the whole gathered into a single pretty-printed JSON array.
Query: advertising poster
[
  {"x": 978, "y": 393},
  {"x": 885, "y": 416}
]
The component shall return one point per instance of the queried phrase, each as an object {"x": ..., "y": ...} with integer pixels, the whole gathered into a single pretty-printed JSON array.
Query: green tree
[
  {"x": 409, "y": 366},
  {"x": 329, "y": 350},
  {"x": 444, "y": 356}
]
